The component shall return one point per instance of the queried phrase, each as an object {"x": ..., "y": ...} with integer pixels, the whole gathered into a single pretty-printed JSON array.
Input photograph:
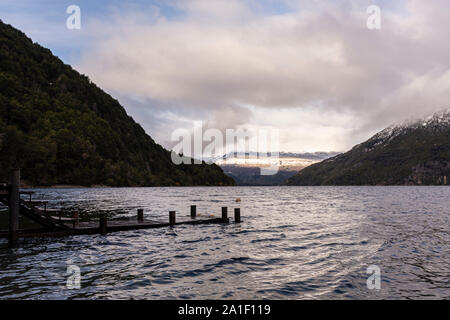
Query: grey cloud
[{"x": 320, "y": 56}]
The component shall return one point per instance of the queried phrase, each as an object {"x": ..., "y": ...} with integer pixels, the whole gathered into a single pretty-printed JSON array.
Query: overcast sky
[{"x": 310, "y": 68}]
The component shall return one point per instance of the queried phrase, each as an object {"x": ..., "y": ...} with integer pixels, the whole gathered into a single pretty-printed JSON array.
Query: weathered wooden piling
[
  {"x": 28, "y": 193},
  {"x": 237, "y": 215},
  {"x": 172, "y": 218},
  {"x": 76, "y": 219},
  {"x": 224, "y": 214},
  {"x": 14, "y": 199},
  {"x": 140, "y": 215},
  {"x": 193, "y": 212},
  {"x": 103, "y": 228},
  {"x": 58, "y": 226}
]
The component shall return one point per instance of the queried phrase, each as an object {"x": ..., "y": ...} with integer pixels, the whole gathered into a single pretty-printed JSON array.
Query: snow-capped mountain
[
  {"x": 284, "y": 160},
  {"x": 415, "y": 152},
  {"x": 435, "y": 122},
  {"x": 245, "y": 168}
]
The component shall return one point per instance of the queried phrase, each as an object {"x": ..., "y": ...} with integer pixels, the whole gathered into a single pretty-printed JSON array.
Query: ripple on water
[{"x": 314, "y": 243}]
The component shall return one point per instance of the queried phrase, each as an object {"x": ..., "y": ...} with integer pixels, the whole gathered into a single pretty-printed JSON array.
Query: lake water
[{"x": 294, "y": 243}]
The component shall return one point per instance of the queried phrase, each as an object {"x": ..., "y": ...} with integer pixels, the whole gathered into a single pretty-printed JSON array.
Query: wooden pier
[{"x": 53, "y": 223}]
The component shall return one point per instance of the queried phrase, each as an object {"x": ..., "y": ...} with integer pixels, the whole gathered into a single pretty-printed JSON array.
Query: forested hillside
[
  {"x": 60, "y": 128},
  {"x": 412, "y": 153}
]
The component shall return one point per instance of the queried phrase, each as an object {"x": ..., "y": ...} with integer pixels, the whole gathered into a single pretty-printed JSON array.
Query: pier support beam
[
  {"x": 76, "y": 219},
  {"x": 225, "y": 214},
  {"x": 14, "y": 199},
  {"x": 172, "y": 218},
  {"x": 237, "y": 215},
  {"x": 140, "y": 215},
  {"x": 103, "y": 224},
  {"x": 193, "y": 212}
]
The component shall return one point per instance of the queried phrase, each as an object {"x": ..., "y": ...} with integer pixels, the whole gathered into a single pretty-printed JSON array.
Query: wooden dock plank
[
  {"x": 60, "y": 226},
  {"x": 87, "y": 228}
]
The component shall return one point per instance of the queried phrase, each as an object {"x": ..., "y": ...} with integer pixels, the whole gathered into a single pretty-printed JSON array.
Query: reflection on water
[{"x": 294, "y": 243}]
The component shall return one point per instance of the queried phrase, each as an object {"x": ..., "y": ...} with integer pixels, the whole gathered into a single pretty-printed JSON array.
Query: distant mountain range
[
  {"x": 245, "y": 168},
  {"x": 412, "y": 153},
  {"x": 62, "y": 129}
]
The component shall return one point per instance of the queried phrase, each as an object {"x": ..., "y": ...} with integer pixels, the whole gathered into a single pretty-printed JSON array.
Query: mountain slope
[
  {"x": 413, "y": 153},
  {"x": 245, "y": 168},
  {"x": 60, "y": 128}
]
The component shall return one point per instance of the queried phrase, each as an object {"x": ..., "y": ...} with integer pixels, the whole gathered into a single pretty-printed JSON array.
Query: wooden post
[
  {"x": 140, "y": 215},
  {"x": 103, "y": 224},
  {"x": 237, "y": 215},
  {"x": 172, "y": 218},
  {"x": 14, "y": 199},
  {"x": 224, "y": 214},
  {"x": 76, "y": 219},
  {"x": 193, "y": 212}
]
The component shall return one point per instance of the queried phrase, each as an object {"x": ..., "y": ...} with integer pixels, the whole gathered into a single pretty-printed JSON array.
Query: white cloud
[{"x": 322, "y": 60}]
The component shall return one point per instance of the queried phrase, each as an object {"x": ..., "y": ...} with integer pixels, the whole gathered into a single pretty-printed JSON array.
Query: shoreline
[
  {"x": 63, "y": 186},
  {"x": 198, "y": 186}
]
